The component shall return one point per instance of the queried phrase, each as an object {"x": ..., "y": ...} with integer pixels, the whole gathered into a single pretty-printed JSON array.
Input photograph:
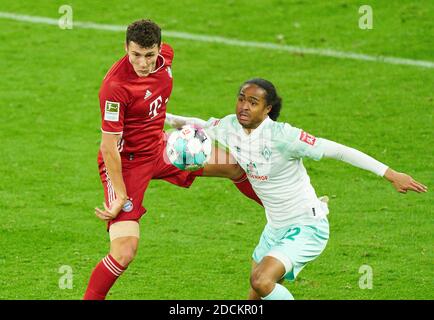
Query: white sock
[{"x": 279, "y": 293}]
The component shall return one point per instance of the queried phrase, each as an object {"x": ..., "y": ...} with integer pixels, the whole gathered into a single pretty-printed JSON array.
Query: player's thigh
[
  {"x": 300, "y": 245},
  {"x": 254, "y": 264},
  {"x": 123, "y": 229},
  {"x": 270, "y": 242},
  {"x": 269, "y": 269},
  {"x": 136, "y": 175}
]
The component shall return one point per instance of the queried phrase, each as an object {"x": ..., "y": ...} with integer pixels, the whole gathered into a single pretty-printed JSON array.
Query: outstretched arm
[
  {"x": 401, "y": 181},
  {"x": 178, "y": 121}
]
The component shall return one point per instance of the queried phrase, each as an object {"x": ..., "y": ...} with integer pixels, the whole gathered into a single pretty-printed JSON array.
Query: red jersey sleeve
[
  {"x": 113, "y": 100},
  {"x": 167, "y": 53}
]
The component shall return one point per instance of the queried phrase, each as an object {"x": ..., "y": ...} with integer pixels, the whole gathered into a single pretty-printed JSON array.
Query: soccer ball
[{"x": 189, "y": 148}]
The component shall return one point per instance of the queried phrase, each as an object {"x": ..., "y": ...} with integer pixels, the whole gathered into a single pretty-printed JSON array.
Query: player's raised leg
[{"x": 222, "y": 164}]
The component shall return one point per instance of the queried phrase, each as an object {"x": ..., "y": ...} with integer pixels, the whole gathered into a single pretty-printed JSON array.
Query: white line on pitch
[{"x": 232, "y": 42}]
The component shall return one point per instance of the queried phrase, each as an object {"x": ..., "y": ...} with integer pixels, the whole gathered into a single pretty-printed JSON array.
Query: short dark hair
[
  {"x": 271, "y": 96},
  {"x": 145, "y": 33}
]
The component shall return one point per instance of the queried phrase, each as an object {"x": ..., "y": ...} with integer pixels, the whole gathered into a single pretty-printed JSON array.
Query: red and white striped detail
[
  {"x": 111, "y": 266},
  {"x": 110, "y": 189},
  {"x": 120, "y": 144}
]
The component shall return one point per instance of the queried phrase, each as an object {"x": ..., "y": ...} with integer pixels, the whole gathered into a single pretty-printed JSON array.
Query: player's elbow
[{"x": 108, "y": 147}]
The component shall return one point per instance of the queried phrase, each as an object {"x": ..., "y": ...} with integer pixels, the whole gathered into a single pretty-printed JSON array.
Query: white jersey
[{"x": 272, "y": 156}]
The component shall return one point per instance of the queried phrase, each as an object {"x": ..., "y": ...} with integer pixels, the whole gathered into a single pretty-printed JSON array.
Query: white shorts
[{"x": 294, "y": 245}]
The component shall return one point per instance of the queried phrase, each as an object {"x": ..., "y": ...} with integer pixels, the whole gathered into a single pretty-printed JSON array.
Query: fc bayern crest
[{"x": 128, "y": 206}]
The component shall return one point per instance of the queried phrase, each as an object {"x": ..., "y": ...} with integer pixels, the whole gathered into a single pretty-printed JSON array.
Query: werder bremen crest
[{"x": 266, "y": 153}]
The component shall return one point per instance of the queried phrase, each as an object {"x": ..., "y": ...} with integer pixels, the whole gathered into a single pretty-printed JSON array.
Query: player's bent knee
[
  {"x": 230, "y": 171},
  {"x": 124, "y": 250},
  {"x": 127, "y": 255},
  {"x": 124, "y": 237},
  {"x": 233, "y": 171},
  {"x": 237, "y": 171},
  {"x": 260, "y": 282}
]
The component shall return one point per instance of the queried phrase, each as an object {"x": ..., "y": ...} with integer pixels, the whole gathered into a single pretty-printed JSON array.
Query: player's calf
[{"x": 124, "y": 236}]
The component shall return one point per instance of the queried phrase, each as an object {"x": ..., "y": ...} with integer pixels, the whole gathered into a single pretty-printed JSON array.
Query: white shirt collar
[
  {"x": 254, "y": 133},
  {"x": 163, "y": 63}
]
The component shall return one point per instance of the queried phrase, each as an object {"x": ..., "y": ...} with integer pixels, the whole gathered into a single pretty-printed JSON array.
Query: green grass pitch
[{"x": 197, "y": 243}]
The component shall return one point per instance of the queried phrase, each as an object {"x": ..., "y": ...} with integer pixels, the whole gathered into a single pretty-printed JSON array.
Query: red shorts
[{"x": 137, "y": 172}]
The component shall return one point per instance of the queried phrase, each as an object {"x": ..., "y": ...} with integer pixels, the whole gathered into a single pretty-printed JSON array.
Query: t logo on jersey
[
  {"x": 308, "y": 138},
  {"x": 154, "y": 106}
]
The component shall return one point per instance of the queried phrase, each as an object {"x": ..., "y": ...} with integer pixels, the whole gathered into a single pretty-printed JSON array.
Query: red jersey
[{"x": 134, "y": 106}]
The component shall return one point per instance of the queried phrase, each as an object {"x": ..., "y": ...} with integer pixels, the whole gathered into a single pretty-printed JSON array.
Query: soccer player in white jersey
[{"x": 271, "y": 153}]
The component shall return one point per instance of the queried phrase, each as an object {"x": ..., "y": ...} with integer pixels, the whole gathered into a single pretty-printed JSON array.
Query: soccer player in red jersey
[{"x": 133, "y": 99}]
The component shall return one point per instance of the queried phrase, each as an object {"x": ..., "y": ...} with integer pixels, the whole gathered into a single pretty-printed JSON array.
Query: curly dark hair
[
  {"x": 271, "y": 96},
  {"x": 145, "y": 33}
]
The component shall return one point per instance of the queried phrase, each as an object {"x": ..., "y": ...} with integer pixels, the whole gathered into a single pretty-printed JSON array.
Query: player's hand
[
  {"x": 403, "y": 182},
  {"x": 175, "y": 122},
  {"x": 110, "y": 213}
]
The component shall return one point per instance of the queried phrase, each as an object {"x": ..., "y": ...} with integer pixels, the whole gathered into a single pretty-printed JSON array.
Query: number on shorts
[{"x": 292, "y": 233}]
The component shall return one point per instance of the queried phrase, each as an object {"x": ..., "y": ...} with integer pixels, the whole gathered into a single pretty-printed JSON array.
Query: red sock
[
  {"x": 102, "y": 279},
  {"x": 243, "y": 184}
]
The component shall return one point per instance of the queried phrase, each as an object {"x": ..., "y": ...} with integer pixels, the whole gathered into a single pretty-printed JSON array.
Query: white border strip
[{"x": 232, "y": 42}]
